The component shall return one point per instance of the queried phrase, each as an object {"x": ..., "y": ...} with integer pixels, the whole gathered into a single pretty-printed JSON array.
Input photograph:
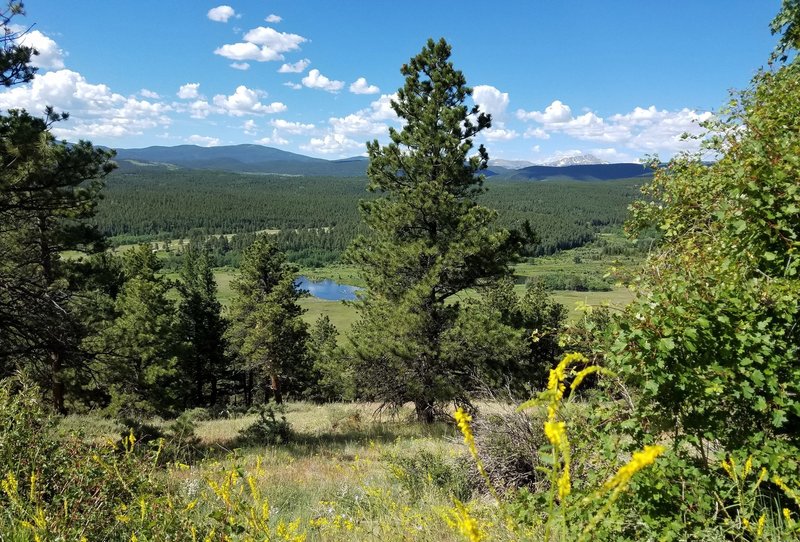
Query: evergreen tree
[
  {"x": 202, "y": 328},
  {"x": 141, "y": 345},
  {"x": 15, "y": 59},
  {"x": 266, "y": 331},
  {"x": 428, "y": 240},
  {"x": 47, "y": 192},
  {"x": 332, "y": 376}
]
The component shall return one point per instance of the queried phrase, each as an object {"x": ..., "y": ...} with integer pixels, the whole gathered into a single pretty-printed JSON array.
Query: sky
[{"x": 619, "y": 79}]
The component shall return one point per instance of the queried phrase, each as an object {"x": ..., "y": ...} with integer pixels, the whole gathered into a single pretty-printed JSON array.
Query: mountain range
[{"x": 259, "y": 159}]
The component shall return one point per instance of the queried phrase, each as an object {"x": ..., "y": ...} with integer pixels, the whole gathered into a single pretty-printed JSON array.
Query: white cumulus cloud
[
  {"x": 490, "y": 100},
  {"x": 274, "y": 139},
  {"x": 315, "y": 79},
  {"x": 95, "y": 110},
  {"x": 248, "y": 51},
  {"x": 499, "y": 134},
  {"x": 272, "y": 18},
  {"x": 296, "y": 67},
  {"x": 291, "y": 127},
  {"x": 50, "y": 56},
  {"x": 554, "y": 113},
  {"x": 221, "y": 14},
  {"x": 280, "y": 42},
  {"x": 203, "y": 141},
  {"x": 250, "y": 127},
  {"x": 360, "y": 86},
  {"x": 149, "y": 94},
  {"x": 243, "y": 66},
  {"x": 293, "y": 86},
  {"x": 245, "y": 101},
  {"x": 188, "y": 91},
  {"x": 332, "y": 144}
]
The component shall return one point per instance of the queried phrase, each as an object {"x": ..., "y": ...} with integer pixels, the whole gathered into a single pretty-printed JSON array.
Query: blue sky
[{"x": 617, "y": 79}]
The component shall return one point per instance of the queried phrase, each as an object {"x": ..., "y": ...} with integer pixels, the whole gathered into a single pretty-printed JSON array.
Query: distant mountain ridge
[
  {"x": 577, "y": 160},
  {"x": 258, "y": 159}
]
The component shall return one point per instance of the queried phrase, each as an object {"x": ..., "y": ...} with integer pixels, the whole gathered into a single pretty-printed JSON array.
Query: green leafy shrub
[
  {"x": 271, "y": 427},
  {"x": 424, "y": 470}
]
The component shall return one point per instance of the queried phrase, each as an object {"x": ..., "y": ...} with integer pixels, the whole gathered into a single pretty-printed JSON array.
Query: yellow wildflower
[
  {"x": 786, "y": 489},
  {"x": 464, "y": 420},
  {"x": 761, "y": 521},
  {"x": 640, "y": 460},
  {"x": 33, "y": 487},
  {"x": 556, "y": 432},
  {"x": 459, "y": 518},
  {"x": 10, "y": 485},
  {"x": 748, "y": 465}
]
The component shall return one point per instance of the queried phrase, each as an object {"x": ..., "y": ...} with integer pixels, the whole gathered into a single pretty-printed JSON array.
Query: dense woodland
[
  {"x": 318, "y": 216},
  {"x": 676, "y": 418}
]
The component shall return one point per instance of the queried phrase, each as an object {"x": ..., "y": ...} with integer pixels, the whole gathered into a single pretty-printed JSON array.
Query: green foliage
[
  {"x": 203, "y": 360},
  {"x": 269, "y": 428},
  {"x": 429, "y": 239},
  {"x": 15, "y": 59},
  {"x": 139, "y": 365},
  {"x": 266, "y": 330},
  {"x": 539, "y": 320},
  {"x": 333, "y": 378},
  {"x": 712, "y": 342},
  {"x": 47, "y": 191},
  {"x": 61, "y": 487},
  {"x": 425, "y": 469}
]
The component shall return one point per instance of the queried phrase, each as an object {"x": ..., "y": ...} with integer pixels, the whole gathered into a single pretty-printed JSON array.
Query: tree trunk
[
  {"x": 248, "y": 389},
  {"x": 58, "y": 385},
  {"x": 424, "y": 410},
  {"x": 276, "y": 388}
]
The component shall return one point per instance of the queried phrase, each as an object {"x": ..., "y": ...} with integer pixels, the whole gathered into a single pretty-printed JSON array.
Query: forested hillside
[{"x": 320, "y": 214}]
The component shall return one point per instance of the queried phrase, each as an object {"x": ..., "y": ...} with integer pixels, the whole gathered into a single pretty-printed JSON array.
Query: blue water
[{"x": 328, "y": 289}]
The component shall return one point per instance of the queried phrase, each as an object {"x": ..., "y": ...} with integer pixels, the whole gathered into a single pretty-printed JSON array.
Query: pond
[{"x": 328, "y": 289}]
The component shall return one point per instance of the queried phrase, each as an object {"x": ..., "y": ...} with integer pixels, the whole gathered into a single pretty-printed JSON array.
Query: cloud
[
  {"x": 188, "y": 91},
  {"x": 490, "y": 100},
  {"x": 95, "y": 110},
  {"x": 360, "y": 86},
  {"x": 149, "y": 94},
  {"x": 292, "y": 127},
  {"x": 245, "y": 101},
  {"x": 243, "y": 66},
  {"x": 357, "y": 123},
  {"x": 272, "y": 18},
  {"x": 274, "y": 139},
  {"x": 248, "y": 51},
  {"x": 642, "y": 130},
  {"x": 280, "y": 42},
  {"x": 50, "y": 56},
  {"x": 250, "y": 127},
  {"x": 315, "y": 79},
  {"x": 203, "y": 141},
  {"x": 537, "y": 133},
  {"x": 332, "y": 144},
  {"x": 499, "y": 134},
  {"x": 293, "y": 86},
  {"x": 199, "y": 109},
  {"x": 221, "y": 14},
  {"x": 381, "y": 109},
  {"x": 554, "y": 113},
  {"x": 297, "y": 67}
]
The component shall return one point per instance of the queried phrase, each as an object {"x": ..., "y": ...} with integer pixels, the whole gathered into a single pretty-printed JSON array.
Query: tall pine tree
[
  {"x": 203, "y": 360},
  {"x": 267, "y": 331},
  {"x": 429, "y": 238}
]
